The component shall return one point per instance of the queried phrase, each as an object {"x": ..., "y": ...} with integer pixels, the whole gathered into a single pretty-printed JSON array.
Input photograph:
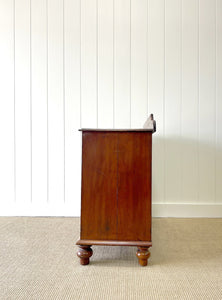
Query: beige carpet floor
[{"x": 38, "y": 261}]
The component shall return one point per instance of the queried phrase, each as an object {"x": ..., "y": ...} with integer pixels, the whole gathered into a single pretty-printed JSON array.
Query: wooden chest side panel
[
  {"x": 99, "y": 186},
  {"x": 134, "y": 186}
]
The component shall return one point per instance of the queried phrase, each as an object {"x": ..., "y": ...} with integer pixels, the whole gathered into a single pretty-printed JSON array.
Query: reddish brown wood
[
  {"x": 143, "y": 254},
  {"x": 116, "y": 187},
  {"x": 134, "y": 186},
  {"x": 118, "y": 130},
  {"x": 84, "y": 253},
  {"x": 114, "y": 243},
  {"x": 99, "y": 179}
]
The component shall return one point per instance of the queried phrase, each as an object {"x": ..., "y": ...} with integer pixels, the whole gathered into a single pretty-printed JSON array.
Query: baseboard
[
  {"x": 73, "y": 210},
  {"x": 187, "y": 210},
  {"x": 43, "y": 210}
]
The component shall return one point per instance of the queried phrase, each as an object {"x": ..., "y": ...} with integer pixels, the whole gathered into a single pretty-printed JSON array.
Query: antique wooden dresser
[{"x": 116, "y": 190}]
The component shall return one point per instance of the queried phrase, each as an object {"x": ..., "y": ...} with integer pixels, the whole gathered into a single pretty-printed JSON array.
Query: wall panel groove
[
  {"x": 198, "y": 99},
  {"x": 218, "y": 63},
  {"x": 64, "y": 96},
  {"x": 30, "y": 32},
  {"x": 14, "y": 127},
  {"x": 67, "y": 64},
  {"x": 47, "y": 99}
]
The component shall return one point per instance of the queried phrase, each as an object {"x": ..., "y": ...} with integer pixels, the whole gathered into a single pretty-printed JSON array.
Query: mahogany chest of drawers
[{"x": 116, "y": 190}]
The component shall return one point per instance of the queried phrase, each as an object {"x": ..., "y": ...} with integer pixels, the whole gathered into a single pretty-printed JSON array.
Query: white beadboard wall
[{"x": 67, "y": 64}]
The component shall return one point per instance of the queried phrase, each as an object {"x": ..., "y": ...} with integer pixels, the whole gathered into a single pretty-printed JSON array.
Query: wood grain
[
  {"x": 114, "y": 243},
  {"x": 117, "y": 129},
  {"x": 116, "y": 186},
  {"x": 134, "y": 186},
  {"x": 99, "y": 179}
]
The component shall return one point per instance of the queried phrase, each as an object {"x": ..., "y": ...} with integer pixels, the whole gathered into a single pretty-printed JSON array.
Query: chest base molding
[{"x": 114, "y": 243}]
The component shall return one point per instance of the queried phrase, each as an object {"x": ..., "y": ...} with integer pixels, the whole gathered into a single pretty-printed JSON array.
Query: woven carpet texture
[{"x": 38, "y": 261}]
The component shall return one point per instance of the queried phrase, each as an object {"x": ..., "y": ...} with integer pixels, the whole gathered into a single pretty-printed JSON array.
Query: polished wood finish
[
  {"x": 114, "y": 243},
  {"x": 134, "y": 186},
  {"x": 116, "y": 190},
  {"x": 99, "y": 186},
  {"x": 84, "y": 253},
  {"x": 116, "y": 196},
  {"x": 143, "y": 254},
  {"x": 118, "y": 130}
]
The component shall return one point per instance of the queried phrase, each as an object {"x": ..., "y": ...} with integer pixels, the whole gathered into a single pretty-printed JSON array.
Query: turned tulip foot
[
  {"x": 84, "y": 253},
  {"x": 143, "y": 254}
]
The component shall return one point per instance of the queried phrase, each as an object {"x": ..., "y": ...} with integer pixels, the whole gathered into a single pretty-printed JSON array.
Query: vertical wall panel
[
  {"x": 207, "y": 101},
  {"x": 156, "y": 65},
  {"x": 122, "y": 66},
  {"x": 39, "y": 100},
  {"x": 189, "y": 98},
  {"x": 55, "y": 102},
  {"x": 72, "y": 104},
  {"x": 173, "y": 100},
  {"x": 22, "y": 102},
  {"x": 218, "y": 119},
  {"x": 67, "y": 64},
  {"x": 89, "y": 73},
  {"x": 138, "y": 63},
  {"x": 105, "y": 64},
  {"x": 7, "y": 102}
]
